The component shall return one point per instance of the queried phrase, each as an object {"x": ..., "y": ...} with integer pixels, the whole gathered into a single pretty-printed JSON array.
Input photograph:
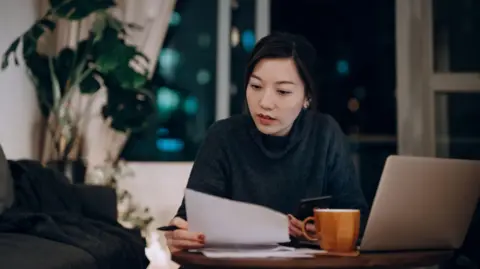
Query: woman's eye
[
  {"x": 254, "y": 86},
  {"x": 282, "y": 92}
]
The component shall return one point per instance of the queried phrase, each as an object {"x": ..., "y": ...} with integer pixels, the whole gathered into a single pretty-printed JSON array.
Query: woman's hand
[
  {"x": 295, "y": 228},
  {"x": 181, "y": 238}
]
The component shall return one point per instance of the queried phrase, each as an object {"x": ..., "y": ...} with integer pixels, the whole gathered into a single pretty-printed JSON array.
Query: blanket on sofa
[{"x": 47, "y": 206}]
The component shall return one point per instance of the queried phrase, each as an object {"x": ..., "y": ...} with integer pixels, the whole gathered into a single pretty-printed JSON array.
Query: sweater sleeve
[
  {"x": 342, "y": 180},
  {"x": 209, "y": 171}
]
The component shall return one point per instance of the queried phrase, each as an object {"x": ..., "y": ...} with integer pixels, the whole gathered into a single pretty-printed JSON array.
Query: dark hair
[{"x": 285, "y": 45}]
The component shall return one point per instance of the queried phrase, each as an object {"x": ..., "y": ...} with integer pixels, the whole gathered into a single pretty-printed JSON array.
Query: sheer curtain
[
  {"x": 100, "y": 141},
  {"x": 154, "y": 17}
]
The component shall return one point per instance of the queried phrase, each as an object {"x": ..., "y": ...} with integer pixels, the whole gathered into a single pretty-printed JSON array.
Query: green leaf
[
  {"x": 129, "y": 78},
  {"x": 106, "y": 63},
  {"x": 107, "y": 60},
  {"x": 50, "y": 25},
  {"x": 38, "y": 66},
  {"x": 39, "y": 72},
  {"x": 110, "y": 60},
  {"x": 82, "y": 47},
  {"x": 79, "y": 9},
  {"x": 38, "y": 69},
  {"x": 29, "y": 38},
  {"x": 83, "y": 52},
  {"x": 11, "y": 50},
  {"x": 65, "y": 57},
  {"x": 107, "y": 51},
  {"x": 63, "y": 66},
  {"x": 35, "y": 32},
  {"x": 89, "y": 85},
  {"x": 29, "y": 46},
  {"x": 128, "y": 109}
]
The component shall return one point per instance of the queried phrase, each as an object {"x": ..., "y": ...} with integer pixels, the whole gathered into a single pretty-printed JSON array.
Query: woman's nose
[{"x": 267, "y": 101}]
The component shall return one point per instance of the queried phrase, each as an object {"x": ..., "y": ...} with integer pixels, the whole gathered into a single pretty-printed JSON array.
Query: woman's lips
[{"x": 265, "y": 119}]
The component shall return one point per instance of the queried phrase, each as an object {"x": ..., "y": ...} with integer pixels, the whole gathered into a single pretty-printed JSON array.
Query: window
[
  {"x": 456, "y": 25},
  {"x": 184, "y": 84},
  {"x": 457, "y": 128},
  {"x": 355, "y": 42},
  {"x": 242, "y": 42}
]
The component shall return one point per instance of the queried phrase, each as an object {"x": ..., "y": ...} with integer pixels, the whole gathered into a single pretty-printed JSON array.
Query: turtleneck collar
[{"x": 278, "y": 146}]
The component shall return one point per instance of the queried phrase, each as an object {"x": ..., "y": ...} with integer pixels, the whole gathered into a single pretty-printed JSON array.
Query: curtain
[
  {"x": 100, "y": 142},
  {"x": 153, "y": 16},
  {"x": 66, "y": 34}
]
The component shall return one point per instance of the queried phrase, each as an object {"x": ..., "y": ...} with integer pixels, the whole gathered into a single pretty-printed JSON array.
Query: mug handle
[{"x": 304, "y": 230}]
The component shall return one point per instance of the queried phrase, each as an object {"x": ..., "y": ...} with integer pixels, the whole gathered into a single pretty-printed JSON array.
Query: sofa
[{"x": 48, "y": 223}]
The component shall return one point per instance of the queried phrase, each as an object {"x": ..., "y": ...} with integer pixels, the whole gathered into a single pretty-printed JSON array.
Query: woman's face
[{"x": 275, "y": 96}]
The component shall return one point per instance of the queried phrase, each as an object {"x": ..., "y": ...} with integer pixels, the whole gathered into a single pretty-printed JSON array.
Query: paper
[
  {"x": 229, "y": 224},
  {"x": 283, "y": 252},
  {"x": 295, "y": 253}
]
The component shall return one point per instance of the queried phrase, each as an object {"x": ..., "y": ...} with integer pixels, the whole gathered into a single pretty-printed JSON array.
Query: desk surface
[{"x": 366, "y": 260}]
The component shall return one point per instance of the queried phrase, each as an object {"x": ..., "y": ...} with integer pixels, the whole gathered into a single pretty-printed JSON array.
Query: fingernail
[
  {"x": 201, "y": 237},
  {"x": 289, "y": 217}
]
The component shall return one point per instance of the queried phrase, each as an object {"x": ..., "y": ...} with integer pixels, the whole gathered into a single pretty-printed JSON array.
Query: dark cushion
[
  {"x": 98, "y": 202},
  {"x": 6, "y": 183},
  {"x": 21, "y": 251},
  {"x": 50, "y": 208}
]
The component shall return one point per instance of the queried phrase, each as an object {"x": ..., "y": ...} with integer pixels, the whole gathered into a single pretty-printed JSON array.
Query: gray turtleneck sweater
[{"x": 238, "y": 162}]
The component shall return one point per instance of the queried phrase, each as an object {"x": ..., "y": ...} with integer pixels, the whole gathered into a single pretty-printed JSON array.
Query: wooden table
[{"x": 365, "y": 260}]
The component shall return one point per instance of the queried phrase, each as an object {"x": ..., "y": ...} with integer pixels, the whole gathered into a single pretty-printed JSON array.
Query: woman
[{"x": 279, "y": 152}]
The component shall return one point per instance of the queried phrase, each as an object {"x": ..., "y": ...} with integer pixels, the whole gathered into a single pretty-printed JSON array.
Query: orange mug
[{"x": 337, "y": 230}]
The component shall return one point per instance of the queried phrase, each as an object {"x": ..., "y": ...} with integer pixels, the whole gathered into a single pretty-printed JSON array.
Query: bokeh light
[
  {"x": 170, "y": 144},
  {"x": 234, "y": 36},
  {"x": 175, "y": 19},
  {"x": 190, "y": 105},
  {"x": 248, "y": 40},
  {"x": 203, "y": 76},
  {"x": 167, "y": 99},
  {"x": 343, "y": 67}
]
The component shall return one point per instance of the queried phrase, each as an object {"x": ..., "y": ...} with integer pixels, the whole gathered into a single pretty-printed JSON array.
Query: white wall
[
  {"x": 159, "y": 186},
  {"x": 19, "y": 114}
]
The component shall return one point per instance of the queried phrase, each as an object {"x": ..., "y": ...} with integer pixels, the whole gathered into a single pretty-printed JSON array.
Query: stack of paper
[
  {"x": 237, "y": 229},
  {"x": 280, "y": 251}
]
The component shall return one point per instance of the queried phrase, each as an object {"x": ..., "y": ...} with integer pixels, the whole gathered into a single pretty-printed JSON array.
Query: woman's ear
[{"x": 306, "y": 103}]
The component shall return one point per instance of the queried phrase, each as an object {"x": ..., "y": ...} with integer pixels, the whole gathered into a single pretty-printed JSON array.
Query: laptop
[{"x": 422, "y": 203}]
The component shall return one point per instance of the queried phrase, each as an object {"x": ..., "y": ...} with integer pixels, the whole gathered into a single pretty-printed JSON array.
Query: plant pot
[{"x": 74, "y": 170}]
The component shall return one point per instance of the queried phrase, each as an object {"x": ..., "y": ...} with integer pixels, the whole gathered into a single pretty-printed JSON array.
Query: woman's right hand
[{"x": 181, "y": 238}]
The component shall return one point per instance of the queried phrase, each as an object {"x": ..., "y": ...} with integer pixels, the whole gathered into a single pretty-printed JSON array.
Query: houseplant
[{"x": 102, "y": 61}]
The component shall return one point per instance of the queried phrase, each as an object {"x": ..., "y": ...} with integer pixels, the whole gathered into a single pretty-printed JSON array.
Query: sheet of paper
[
  {"x": 285, "y": 253},
  {"x": 234, "y": 224}
]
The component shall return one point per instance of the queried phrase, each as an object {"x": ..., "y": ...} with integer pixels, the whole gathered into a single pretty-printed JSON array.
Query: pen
[{"x": 168, "y": 228}]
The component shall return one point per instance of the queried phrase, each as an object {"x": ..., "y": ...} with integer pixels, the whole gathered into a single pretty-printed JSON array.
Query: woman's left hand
[{"x": 295, "y": 227}]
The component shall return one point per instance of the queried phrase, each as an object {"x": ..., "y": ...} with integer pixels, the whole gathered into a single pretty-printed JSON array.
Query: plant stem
[
  {"x": 55, "y": 83},
  {"x": 54, "y": 10},
  {"x": 55, "y": 142},
  {"x": 82, "y": 77}
]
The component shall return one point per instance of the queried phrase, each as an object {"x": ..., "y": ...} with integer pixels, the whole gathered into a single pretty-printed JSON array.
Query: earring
[{"x": 307, "y": 103}]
